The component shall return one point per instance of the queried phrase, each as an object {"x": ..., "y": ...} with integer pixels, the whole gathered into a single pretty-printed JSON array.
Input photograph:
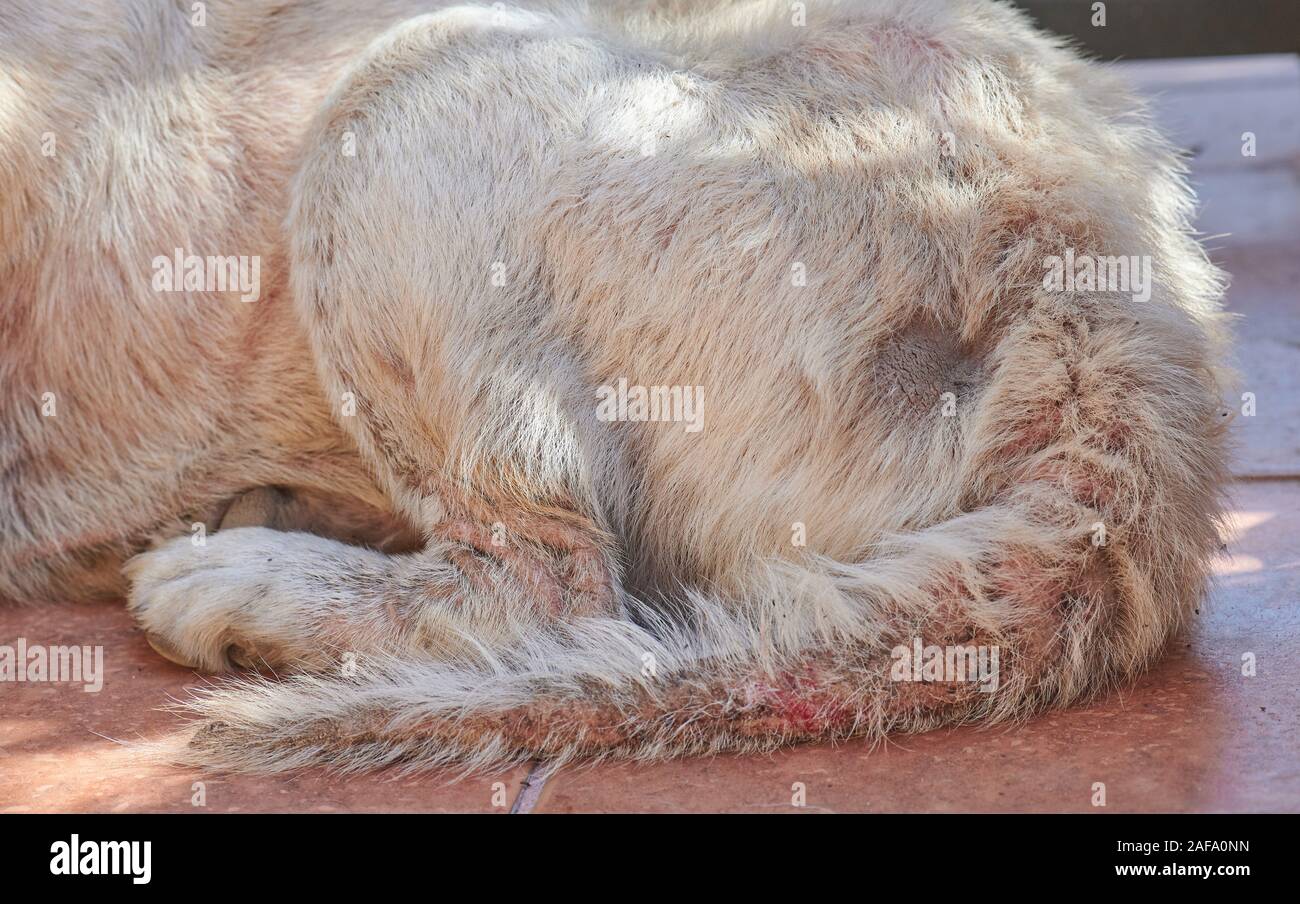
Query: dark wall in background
[{"x": 1163, "y": 28}]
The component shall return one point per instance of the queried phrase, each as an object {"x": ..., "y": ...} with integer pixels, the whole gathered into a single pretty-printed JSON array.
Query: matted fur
[{"x": 643, "y": 179}]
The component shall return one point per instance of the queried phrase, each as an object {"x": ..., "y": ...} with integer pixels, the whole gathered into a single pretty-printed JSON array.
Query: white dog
[{"x": 554, "y": 381}]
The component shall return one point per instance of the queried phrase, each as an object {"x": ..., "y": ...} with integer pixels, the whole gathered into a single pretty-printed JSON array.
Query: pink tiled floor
[{"x": 1194, "y": 734}]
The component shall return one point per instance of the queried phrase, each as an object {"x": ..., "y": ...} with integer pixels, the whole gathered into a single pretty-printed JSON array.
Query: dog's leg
[
  {"x": 253, "y": 596},
  {"x": 187, "y": 633},
  {"x": 475, "y": 419}
]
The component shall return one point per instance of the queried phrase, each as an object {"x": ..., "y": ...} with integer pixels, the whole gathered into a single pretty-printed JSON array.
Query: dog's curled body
[{"x": 836, "y": 228}]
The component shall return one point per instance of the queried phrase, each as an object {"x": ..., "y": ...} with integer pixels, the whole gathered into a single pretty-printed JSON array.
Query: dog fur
[{"x": 471, "y": 568}]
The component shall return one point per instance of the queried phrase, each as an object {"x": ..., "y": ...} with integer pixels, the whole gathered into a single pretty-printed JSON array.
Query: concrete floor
[{"x": 1194, "y": 734}]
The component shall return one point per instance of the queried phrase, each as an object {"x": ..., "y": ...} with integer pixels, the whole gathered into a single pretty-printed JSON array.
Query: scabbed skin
[{"x": 470, "y": 220}]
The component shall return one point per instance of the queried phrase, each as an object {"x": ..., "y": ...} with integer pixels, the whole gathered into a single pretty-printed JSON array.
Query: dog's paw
[{"x": 237, "y": 600}]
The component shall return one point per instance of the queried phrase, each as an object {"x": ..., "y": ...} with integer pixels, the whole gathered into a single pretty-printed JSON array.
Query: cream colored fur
[{"x": 542, "y": 200}]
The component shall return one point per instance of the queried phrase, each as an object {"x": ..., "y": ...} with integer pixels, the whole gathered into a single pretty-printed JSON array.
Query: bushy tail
[{"x": 816, "y": 652}]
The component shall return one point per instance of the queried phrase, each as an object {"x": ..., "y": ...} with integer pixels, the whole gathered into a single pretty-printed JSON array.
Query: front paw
[{"x": 207, "y": 606}]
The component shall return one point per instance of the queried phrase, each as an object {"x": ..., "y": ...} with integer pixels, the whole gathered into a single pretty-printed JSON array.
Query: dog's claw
[{"x": 163, "y": 649}]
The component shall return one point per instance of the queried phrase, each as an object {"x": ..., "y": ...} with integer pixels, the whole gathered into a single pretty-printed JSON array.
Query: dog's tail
[{"x": 989, "y": 615}]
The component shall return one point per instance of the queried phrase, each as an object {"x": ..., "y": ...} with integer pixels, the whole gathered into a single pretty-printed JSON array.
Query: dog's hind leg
[{"x": 468, "y": 400}]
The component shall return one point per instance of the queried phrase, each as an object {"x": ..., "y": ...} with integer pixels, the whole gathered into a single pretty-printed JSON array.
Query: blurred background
[{"x": 1142, "y": 29}]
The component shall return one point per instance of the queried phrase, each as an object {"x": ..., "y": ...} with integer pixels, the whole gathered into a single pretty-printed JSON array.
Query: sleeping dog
[{"x": 567, "y": 380}]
